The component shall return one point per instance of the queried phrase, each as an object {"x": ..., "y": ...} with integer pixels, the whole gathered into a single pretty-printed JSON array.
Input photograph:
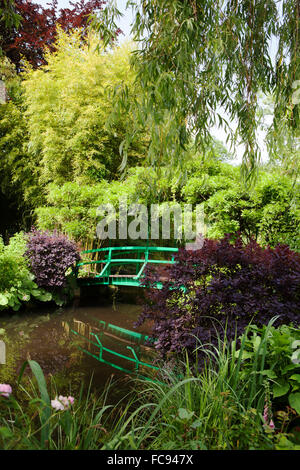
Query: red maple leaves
[{"x": 38, "y": 28}]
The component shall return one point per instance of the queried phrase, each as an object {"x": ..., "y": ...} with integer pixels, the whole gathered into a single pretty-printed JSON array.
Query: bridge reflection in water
[{"x": 122, "y": 349}]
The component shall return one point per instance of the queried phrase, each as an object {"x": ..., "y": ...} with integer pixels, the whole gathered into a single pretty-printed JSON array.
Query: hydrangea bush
[{"x": 222, "y": 288}]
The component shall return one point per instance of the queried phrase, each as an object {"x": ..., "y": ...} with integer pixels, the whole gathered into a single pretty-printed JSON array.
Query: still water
[{"x": 46, "y": 337}]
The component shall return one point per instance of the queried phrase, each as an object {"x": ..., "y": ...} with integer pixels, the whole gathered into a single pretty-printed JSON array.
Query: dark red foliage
[
  {"x": 50, "y": 255},
  {"x": 228, "y": 285},
  {"x": 38, "y": 27}
]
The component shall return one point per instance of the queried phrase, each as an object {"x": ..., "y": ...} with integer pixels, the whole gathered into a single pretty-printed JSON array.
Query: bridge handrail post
[
  {"x": 108, "y": 261},
  {"x": 137, "y": 361},
  {"x": 100, "y": 346}
]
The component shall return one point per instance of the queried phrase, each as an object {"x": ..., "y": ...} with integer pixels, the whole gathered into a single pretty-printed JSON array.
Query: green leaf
[
  {"x": 46, "y": 409},
  {"x": 280, "y": 389},
  {"x": 245, "y": 354},
  {"x": 16, "y": 306},
  {"x": 269, "y": 373},
  {"x": 285, "y": 444},
  {"x": 185, "y": 414},
  {"x": 296, "y": 356},
  {"x": 295, "y": 377},
  {"x": 44, "y": 296},
  {"x": 3, "y": 299},
  {"x": 6, "y": 432},
  {"x": 288, "y": 368},
  {"x": 294, "y": 401},
  {"x": 256, "y": 343}
]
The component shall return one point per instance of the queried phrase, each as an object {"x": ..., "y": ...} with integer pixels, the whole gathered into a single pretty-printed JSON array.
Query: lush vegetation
[
  {"x": 85, "y": 122},
  {"x": 17, "y": 282},
  {"x": 269, "y": 214},
  {"x": 227, "y": 405},
  {"x": 58, "y": 125},
  {"x": 34, "y": 266},
  {"x": 201, "y": 63},
  {"x": 67, "y": 113},
  {"x": 220, "y": 289},
  {"x": 61, "y": 134}
]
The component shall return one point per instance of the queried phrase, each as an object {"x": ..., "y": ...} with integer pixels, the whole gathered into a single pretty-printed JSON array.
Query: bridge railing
[{"x": 124, "y": 256}]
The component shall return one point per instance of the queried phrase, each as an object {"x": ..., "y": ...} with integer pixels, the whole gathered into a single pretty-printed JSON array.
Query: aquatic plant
[{"x": 228, "y": 404}]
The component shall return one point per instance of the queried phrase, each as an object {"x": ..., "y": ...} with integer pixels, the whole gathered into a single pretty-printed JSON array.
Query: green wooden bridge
[{"x": 122, "y": 266}]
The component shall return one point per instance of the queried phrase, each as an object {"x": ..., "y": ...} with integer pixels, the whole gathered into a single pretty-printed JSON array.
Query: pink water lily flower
[
  {"x": 5, "y": 390},
  {"x": 62, "y": 403}
]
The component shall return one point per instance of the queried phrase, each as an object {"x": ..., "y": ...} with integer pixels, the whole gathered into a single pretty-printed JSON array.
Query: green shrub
[
  {"x": 223, "y": 405},
  {"x": 16, "y": 281},
  {"x": 280, "y": 350}
]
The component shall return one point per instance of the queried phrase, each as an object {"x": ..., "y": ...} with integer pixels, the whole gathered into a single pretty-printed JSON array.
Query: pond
[{"x": 46, "y": 336}]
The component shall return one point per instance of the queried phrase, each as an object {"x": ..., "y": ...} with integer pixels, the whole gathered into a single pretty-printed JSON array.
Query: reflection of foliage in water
[
  {"x": 45, "y": 336},
  {"x": 8, "y": 370},
  {"x": 16, "y": 332},
  {"x": 46, "y": 339}
]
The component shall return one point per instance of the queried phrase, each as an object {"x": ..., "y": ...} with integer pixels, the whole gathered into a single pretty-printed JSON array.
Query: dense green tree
[
  {"x": 19, "y": 189},
  {"x": 9, "y": 18},
  {"x": 71, "y": 208},
  {"x": 55, "y": 126},
  {"x": 67, "y": 111},
  {"x": 17, "y": 181},
  {"x": 197, "y": 58},
  {"x": 268, "y": 213}
]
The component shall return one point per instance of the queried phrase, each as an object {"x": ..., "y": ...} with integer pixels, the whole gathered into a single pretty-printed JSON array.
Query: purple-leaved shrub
[
  {"x": 227, "y": 285},
  {"x": 50, "y": 255}
]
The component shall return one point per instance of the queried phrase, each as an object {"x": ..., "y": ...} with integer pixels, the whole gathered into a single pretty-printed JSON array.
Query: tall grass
[
  {"x": 34, "y": 424},
  {"x": 215, "y": 406}
]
